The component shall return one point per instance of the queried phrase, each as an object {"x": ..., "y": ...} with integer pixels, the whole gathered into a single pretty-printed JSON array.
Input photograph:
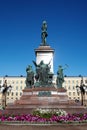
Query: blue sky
[{"x": 20, "y": 34}]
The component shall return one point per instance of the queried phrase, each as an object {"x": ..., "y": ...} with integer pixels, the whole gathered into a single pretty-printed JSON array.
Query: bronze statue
[
  {"x": 44, "y": 33},
  {"x": 60, "y": 77},
  {"x": 42, "y": 73},
  {"x": 30, "y": 76}
]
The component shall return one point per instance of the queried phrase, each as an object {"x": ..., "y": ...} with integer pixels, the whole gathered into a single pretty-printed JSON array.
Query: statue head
[
  {"x": 29, "y": 68},
  {"x": 44, "y": 26},
  {"x": 44, "y": 22},
  {"x": 60, "y": 66},
  {"x": 41, "y": 63}
]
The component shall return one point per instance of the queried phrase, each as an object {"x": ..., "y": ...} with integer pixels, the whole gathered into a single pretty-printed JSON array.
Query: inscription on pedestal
[{"x": 44, "y": 93}]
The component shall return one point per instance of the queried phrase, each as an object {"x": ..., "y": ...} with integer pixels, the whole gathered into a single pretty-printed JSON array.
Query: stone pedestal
[
  {"x": 45, "y": 98},
  {"x": 40, "y": 97},
  {"x": 63, "y": 98},
  {"x": 45, "y": 53}
]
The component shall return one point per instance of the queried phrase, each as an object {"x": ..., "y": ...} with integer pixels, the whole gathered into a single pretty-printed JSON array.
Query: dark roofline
[{"x": 7, "y": 76}]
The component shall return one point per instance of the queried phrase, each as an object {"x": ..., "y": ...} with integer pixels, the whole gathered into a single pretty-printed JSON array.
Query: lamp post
[
  {"x": 4, "y": 89},
  {"x": 81, "y": 89}
]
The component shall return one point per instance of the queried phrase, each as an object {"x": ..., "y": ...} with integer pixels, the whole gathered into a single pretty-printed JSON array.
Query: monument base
[{"x": 45, "y": 98}]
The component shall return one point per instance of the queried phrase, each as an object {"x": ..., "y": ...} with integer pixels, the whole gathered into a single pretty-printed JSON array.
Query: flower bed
[{"x": 45, "y": 116}]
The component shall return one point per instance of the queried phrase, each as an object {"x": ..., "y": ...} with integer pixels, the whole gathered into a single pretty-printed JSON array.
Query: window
[
  {"x": 68, "y": 81},
  {"x": 16, "y": 87},
  {"x": 21, "y": 87},
  {"x": 69, "y": 88},
  {"x": 73, "y": 87},
  {"x": 16, "y": 93},
  {"x": 72, "y": 81},
  {"x": 77, "y": 81},
  {"x": 16, "y": 82},
  {"x": 21, "y": 81},
  {"x": 78, "y": 98},
  {"x": 69, "y": 93},
  {"x": 20, "y": 93},
  {"x": 78, "y": 93},
  {"x": 12, "y": 94},
  {"x": 73, "y": 93}
]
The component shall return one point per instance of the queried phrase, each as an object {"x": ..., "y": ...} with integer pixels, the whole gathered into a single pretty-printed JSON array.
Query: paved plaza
[{"x": 44, "y": 127}]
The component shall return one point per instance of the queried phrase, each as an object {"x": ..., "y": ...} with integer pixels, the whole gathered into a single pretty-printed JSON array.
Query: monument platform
[{"x": 45, "y": 98}]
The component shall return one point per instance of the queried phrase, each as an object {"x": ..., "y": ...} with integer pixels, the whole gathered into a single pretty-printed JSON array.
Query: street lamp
[
  {"x": 4, "y": 89},
  {"x": 81, "y": 89}
]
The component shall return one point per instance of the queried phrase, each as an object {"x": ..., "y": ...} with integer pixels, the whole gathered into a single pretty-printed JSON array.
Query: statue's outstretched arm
[{"x": 35, "y": 63}]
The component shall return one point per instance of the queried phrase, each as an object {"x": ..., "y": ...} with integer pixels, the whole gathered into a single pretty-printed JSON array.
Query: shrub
[{"x": 48, "y": 113}]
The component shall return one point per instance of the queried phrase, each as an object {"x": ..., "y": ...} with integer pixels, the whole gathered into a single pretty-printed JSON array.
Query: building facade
[{"x": 19, "y": 83}]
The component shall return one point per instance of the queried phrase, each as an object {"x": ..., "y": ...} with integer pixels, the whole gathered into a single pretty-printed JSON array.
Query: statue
[
  {"x": 42, "y": 73},
  {"x": 44, "y": 70},
  {"x": 60, "y": 77},
  {"x": 30, "y": 76},
  {"x": 44, "y": 33}
]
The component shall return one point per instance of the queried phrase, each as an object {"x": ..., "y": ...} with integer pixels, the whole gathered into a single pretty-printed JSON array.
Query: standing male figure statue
[
  {"x": 60, "y": 77},
  {"x": 44, "y": 33},
  {"x": 30, "y": 76}
]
